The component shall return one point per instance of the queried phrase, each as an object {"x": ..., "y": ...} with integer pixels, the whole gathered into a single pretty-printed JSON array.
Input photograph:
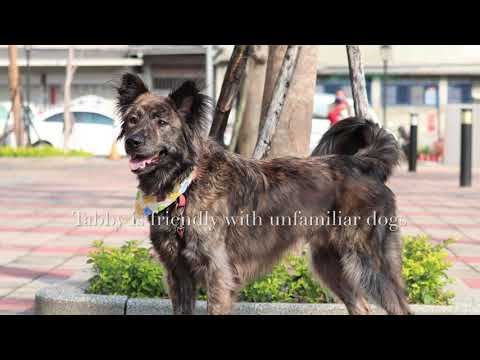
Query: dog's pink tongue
[{"x": 139, "y": 164}]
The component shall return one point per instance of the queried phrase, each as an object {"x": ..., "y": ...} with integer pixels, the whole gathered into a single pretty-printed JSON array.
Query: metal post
[
  {"x": 412, "y": 148},
  {"x": 466, "y": 149},
  {"x": 384, "y": 92}
]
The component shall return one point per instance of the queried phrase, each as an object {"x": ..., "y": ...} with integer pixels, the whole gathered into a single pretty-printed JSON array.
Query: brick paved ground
[{"x": 40, "y": 244}]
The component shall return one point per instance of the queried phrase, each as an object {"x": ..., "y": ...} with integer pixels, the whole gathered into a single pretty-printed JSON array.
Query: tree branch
[
  {"x": 230, "y": 87},
  {"x": 357, "y": 80}
]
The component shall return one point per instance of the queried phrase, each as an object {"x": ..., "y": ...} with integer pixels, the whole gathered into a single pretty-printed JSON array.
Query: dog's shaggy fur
[{"x": 346, "y": 173}]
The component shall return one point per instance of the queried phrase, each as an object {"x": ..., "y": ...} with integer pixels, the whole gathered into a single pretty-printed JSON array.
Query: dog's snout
[{"x": 135, "y": 141}]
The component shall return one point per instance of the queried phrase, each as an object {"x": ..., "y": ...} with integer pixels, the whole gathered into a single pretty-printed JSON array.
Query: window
[
  {"x": 460, "y": 92},
  {"x": 92, "y": 118},
  {"x": 412, "y": 92},
  {"x": 171, "y": 83},
  {"x": 83, "y": 118},
  {"x": 55, "y": 118},
  {"x": 332, "y": 85}
]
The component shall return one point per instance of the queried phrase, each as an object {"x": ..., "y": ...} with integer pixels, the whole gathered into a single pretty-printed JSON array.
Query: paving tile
[{"x": 473, "y": 283}]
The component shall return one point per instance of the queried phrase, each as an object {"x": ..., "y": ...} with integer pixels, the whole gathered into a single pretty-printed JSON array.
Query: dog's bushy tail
[{"x": 374, "y": 149}]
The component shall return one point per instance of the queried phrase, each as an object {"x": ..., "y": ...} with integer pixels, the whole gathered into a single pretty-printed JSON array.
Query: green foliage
[
  {"x": 131, "y": 271},
  {"x": 424, "y": 150},
  {"x": 290, "y": 281},
  {"x": 128, "y": 270},
  {"x": 40, "y": 151},
  {"x": 425, "y": 271}
]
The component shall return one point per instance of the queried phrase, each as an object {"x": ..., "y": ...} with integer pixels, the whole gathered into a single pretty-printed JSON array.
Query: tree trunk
[
  {"x": 277, "y": 102},
  {"x": 292, "y": 136},
  {"x": 13, "y": 78},
  {"x": 357, "y": 81},
  {"x": 230, "y": 87},
  {"x": 255, "y": 81},
  {"x": 68, "y": 117},
  {"x": 241, "y": 102}
]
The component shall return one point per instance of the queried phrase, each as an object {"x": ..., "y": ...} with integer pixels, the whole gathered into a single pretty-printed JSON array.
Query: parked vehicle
[
  {"x": 320, "y": 121},
  {"x": 94, "y": 130}
]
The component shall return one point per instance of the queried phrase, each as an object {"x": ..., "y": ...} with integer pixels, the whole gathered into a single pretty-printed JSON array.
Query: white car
[
  {"x": 320, "y": 122},
  {"x": 94, "y": 131}
]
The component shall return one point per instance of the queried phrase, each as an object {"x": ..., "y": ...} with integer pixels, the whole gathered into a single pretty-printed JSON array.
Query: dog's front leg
[{"x": 182, "y": 289}]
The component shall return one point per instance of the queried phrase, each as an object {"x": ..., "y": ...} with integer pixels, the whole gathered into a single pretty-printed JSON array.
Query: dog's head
[{"x": 160, "y": 131}]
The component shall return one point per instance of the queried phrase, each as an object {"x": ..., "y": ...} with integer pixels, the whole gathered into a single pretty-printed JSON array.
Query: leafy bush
[
  {"x": 290, "y": 281},
  {"x": 130, "y": 270},
  {"x": 40, "y": 151},
  {"x": 425, "y": 271}
]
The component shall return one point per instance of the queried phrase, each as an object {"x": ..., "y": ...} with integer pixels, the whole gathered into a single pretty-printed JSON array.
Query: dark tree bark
[{"x": 230, "y": 88}]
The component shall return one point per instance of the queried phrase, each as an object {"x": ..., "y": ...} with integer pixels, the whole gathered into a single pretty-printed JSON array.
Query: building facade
[
  {"x": 99, "y": 67},
  {"x": 422, "y": 79}
]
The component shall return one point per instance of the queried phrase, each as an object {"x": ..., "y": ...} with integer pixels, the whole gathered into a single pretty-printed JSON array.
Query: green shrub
[
  {"x": 425, "y": 271},
  {"x": 130, "y": 270},
  {"x": 40, "y": 151},
  {"x": 290, "y": 281}
]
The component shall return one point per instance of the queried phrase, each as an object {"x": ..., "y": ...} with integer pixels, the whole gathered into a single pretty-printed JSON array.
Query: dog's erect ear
[
  {"x": 192, "y": 105},
  {"x": 184, "y": 97},
  {"x": 130, "y": 88}
]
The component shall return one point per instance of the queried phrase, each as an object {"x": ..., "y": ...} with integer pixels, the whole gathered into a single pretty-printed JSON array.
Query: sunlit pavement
[{"x": 41, "y": 244}]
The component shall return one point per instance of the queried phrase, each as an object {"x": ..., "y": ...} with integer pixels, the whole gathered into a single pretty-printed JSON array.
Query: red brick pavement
[{"x": 40, "y": 243}]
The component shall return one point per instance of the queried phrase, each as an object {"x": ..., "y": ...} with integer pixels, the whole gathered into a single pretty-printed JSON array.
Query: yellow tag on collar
[{"x": 149, "y": 204}]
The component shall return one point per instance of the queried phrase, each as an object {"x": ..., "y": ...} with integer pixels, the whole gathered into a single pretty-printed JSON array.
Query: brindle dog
[{"x": 163, "y": 137}]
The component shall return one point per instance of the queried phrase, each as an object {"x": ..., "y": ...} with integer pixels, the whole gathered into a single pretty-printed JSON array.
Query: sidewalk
[{"x": 40, "y": 244}]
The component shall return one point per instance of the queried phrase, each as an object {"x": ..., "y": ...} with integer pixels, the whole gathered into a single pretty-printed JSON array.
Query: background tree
[
  {"x": 292, "y": 136},
  {"x": 14, "y": 82},
  {"x": 254, "y": 85},
  {"x": 69, "y": 120}
]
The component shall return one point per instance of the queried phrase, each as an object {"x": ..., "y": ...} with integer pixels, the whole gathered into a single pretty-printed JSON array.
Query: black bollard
[
  {"x": 412, "y": 146},
  {"x": 466, "y": 149}
]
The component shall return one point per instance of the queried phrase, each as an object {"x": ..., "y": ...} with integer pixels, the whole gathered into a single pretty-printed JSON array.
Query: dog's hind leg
[
  {"x": 326, "y": 263},
  {"x": 220, "y": 284},
  {"x": 379, "y": 273}
]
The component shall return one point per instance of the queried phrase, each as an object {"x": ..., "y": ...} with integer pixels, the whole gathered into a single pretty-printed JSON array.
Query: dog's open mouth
[{"x": 138, "y": 164}]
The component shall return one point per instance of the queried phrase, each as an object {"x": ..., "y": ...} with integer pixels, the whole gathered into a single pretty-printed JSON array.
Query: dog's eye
[
  {"x": 133, "y": 120},
  {"x": 162, "y": 122}
]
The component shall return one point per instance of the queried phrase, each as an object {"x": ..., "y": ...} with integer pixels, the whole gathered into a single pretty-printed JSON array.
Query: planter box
[{"x": 69, "y": 298}]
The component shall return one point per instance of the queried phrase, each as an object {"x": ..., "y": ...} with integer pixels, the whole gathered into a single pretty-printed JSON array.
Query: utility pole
[{"x": 13, "y": 79}]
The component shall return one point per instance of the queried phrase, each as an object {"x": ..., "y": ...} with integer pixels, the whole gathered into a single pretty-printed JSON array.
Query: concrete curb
[{"x": 69, "y": 298}]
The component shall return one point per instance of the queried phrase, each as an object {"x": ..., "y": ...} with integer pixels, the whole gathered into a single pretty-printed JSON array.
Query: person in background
[{"x": 340, "y": 109}]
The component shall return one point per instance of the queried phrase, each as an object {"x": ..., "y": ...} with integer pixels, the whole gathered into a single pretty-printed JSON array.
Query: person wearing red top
[{"x": 340, "y": 109}]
